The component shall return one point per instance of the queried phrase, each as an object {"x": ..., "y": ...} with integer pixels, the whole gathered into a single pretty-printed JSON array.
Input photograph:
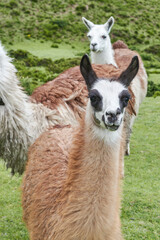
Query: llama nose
[
  {"x": 112, "y": 116},
  {"x": 94, "y": 44}
]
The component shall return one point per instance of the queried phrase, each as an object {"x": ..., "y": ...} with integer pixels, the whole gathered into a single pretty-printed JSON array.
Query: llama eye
[
  {"x": 94, "y": 99},
  {"x": 125, "y": 100},
  {"x": 103, "y": 36},
  {"x": 89, "y": 36}
]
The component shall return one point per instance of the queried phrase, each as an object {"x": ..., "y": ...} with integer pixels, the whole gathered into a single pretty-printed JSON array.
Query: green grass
[
  {"x": 141, "y": 201},
  {"x": 45, "y": 49},
  {"x": 11, "y": 224},
  {"x": 141, "y": 191},
  {"x": 154, "y": 77}
]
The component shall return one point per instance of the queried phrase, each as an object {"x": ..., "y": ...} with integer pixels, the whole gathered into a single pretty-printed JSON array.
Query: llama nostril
[
  {"x": 94, "y": 44},
  {"x": 118, "y": 111}
]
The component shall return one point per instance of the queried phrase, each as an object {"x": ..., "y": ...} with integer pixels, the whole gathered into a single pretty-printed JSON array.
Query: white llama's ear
[
  {"x": 108, "y": 25},
  {"x": 87, "y": 72},
  {"x": 128, "y": 75},
  {"x": 88, "y": 23}
]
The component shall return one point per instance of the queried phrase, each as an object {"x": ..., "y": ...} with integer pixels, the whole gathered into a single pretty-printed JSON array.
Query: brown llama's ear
[
  {"x": 87, "y": 71},
  {"x": 128, "y": 75}
]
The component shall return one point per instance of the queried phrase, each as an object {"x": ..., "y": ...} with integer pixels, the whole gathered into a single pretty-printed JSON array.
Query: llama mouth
[
  {"x": 112, "y": 128},
  {"x": 95, "y": 50}
]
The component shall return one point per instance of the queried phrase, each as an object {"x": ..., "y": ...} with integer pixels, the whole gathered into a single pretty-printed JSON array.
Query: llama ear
[
  {"x": 88, "y": 23},
  {"x": 108, "y": 25},
  {"x": 128, "y": 75},
  {"x": 87, "y": 72}
]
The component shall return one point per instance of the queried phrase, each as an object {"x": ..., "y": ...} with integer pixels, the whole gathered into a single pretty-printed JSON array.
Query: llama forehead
[
  {"x": 106, "y": 87},
  {"x": 97, "y": 30}
]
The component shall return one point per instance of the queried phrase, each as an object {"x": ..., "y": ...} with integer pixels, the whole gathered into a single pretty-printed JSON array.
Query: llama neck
[
  {"x": 94, "y": 177},
  {"x": 93, "y": 156},
  {"x": 104, "y": 57}
]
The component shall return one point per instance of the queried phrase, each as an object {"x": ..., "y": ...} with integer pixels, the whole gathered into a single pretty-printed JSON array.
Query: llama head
[
  {"x": 98, "y": 35},
  {"x": 108, "y": 97}
]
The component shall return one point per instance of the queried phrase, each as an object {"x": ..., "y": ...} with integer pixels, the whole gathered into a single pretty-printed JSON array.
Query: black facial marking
[
  {"x": 96, "y": 100},
  {"x": 87, "y": 24},
  {"x": 123, "y": 99},
  {"x": 110, "y": 23},
  {"x": 1, "y": 102}
]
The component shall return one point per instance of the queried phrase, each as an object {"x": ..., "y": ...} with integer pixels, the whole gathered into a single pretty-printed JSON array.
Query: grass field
[
  {"x": 141, "y": 191},
  {"x": 45, "y": 49}
]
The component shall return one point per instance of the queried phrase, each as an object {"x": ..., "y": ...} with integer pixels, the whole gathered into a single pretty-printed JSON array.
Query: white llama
[
  {"x": 71, "y": 185},
  {"x": 102, "y": 53},
  {"x": 100, "y": 43},
  {"x": 21, "y": 121}
]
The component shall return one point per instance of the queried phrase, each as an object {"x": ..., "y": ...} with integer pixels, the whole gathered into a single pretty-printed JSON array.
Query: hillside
[{"x": 58, "y": 22}]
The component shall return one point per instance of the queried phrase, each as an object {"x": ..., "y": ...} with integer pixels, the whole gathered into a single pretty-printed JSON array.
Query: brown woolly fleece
[{"x": 119, "y": 44}]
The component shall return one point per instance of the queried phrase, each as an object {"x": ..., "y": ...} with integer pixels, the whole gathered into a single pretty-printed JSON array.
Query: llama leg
[
  {"x": 127, "y": 152},
  {"x": 128, "y": 133},
  {"x": 128, "y": 124}
]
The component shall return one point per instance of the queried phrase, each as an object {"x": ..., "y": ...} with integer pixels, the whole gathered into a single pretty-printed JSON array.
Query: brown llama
[{"x": 71, "y": 186}]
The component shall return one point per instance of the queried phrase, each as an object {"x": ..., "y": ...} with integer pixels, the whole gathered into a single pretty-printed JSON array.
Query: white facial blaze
[{"x": 110, "y": 92}]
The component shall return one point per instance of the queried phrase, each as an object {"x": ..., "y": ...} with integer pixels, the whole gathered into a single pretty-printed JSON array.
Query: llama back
[
  {"x": 119, "y": 44},
  {"x": 67, "y": 93}
]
